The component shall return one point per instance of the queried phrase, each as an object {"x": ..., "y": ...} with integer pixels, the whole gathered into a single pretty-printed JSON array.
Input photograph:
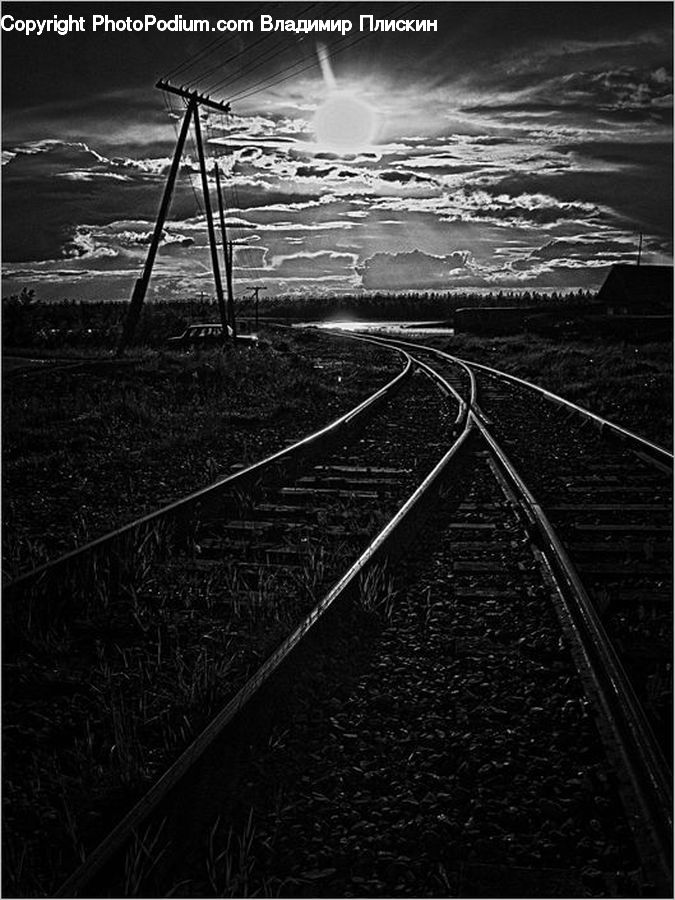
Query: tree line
[{"x": 30, "y": 322}]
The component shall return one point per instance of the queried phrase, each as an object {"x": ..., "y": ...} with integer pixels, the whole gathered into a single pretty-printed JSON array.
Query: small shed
[{"x": 638, "y": 290}]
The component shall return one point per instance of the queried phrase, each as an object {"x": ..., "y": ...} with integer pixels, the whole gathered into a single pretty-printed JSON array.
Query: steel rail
[
  {"x": 463, "y": 405},
  {"x": 629, "y": 735},
  {"x": 272, "y": 465},
  {"x": 393, "y": 535},
  {"x": 640, "y": 755},
  {"x": 655, "y": 453}
]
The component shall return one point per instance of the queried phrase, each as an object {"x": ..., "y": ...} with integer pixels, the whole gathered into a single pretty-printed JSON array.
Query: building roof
[{"x": 638, "y": 285}]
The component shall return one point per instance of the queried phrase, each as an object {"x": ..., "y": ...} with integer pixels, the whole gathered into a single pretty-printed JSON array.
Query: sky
[{"x": 521, "y": 146}]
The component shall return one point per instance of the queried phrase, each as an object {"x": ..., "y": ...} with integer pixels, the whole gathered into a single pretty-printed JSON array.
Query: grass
[
  {"x": 229, "y": 860},
  {"x": 97, "y": 446},
  {"x": 112, "y": 670},
  {"x": 111, "y": 675},
  {"x": 377, "y": 596},
  {"x": 104, "y": 691},
  {"x": 629, "y": 384}
]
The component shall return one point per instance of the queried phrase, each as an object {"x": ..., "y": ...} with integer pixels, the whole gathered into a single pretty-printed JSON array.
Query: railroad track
[
  {"x": 198, "y": 593},
  {"x": 608, "y": 496},
  {"x": 463, "y": 721}
]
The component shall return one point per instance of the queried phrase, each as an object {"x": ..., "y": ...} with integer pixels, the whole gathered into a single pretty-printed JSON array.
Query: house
[{"x": 638, "y": 291}]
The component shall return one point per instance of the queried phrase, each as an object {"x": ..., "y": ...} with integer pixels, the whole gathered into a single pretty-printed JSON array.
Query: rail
[
  {"x": 273, "y": 466},
  {"x": 629, "y": 733},
  {"x": 394, "y": 534},
  {"x": 657, "y": 454},
  {"x": 640, "y": 754}
]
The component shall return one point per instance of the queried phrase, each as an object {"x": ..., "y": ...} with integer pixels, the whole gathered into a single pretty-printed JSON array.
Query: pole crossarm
[{"x": 202, "y": 99}]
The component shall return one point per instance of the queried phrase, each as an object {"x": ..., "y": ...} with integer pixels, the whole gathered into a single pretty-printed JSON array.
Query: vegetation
[
  {"x": 111, "y": 670},
  {"x": 99, "y": 703},
  {"x": 100, "y": 700},
  {"x": 630, "y": 384},
  {"x": 30, "y": 323},
  {"x": 413, "y": 304},
  {"x": 93, "y": 444}
]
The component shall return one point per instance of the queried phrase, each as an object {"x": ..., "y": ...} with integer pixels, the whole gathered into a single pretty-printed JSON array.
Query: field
[
  {"x": 95, "y": 709},
  {"x": 631, "y": 385},
  {"x": 90, "y": 444}
]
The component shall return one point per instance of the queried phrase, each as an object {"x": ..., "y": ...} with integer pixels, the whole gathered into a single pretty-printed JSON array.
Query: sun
[{"x": 345, "y": 122}]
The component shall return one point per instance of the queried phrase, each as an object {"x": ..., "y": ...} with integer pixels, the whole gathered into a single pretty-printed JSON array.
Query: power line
[
  {"x": 267, "y": 55},
  {"x": 209, "y": 49},
  {"x": 273, "y": 80},
  {"x": 191, "y": 60}
]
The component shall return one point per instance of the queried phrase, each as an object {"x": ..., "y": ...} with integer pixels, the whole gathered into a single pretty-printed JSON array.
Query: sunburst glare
[{"x": 344, "y": 121}]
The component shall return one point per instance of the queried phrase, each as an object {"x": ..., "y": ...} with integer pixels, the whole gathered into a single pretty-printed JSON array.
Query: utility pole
[
  {"x": 639, "y": 250},
  {"x": 194, "y": 100},
  {"x": 209, "y": 225},
  {"x": 227, "y": 254},
  {"x": 256, "y": 290},
  {"x": 141, "y": 284}
]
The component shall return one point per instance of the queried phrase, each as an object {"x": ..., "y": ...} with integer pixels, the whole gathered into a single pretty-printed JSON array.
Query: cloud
[
  {"x": 313, "y": 264},
  {"x": 250, "y": 258},
  {"x": 532, "y": 144},
  {"x": 314, "y": 171},
  {"x": 50, "y": 188},
  {"x": 585, "y": 249},
  {"x": 626, "y": 93},
  {"x": 412, "y": 271},
  {"x": 404, "y": 177},
  {"x": 532, "y": 208},
  {"x": 640, "y": 197}
]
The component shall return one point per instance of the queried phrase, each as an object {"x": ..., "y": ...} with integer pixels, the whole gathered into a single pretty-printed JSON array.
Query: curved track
[
  {"x": 199, "y": 594},
  {"x": 603, "y": 520},
  {"x": 525, "y": 704}
]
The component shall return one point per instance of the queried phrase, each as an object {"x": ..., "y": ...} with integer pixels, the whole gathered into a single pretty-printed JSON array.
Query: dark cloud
[
  {"x": 536, "y": 215},
  {"x": 622, "y": 88},
  {"x": 565, "y": 133},
  {"x": 491, "y": 141},
  {"x": 404, "y": 177},
  {"x": 654, "y": 154},
  {"x": 581, "y": 248},
  {"x": 640, "y": 198},
  {"x": 48, "y": 193},
  {"x": 313, "y": 171},
  {"x": 250, "y": 257},
  {"x": 414, "y": 270}
]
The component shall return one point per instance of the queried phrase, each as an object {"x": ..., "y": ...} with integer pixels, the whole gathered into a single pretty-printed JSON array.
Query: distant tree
[{"x": 27, "y": 297}]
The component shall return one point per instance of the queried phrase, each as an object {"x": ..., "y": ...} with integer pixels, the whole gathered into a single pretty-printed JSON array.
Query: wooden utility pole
[
  {"x": 194, "y": 100},
  {"x": 141, "y": 285},
  {"x": 209, "y": 225},
  {"x": 256, "y": 291},
  {"x": 227, "y": 254}
]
